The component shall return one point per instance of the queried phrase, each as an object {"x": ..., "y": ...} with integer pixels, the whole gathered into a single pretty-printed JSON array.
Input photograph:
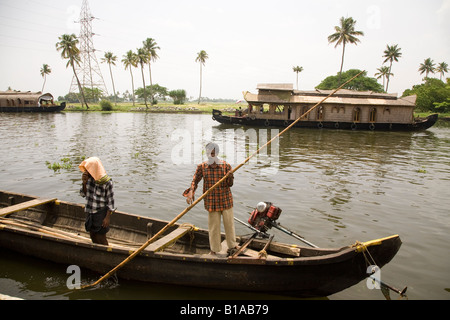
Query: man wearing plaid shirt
[{"x": 219, "y": 202}]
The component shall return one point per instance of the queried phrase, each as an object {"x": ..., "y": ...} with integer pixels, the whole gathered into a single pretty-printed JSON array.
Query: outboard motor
[{"x": 263, "y": 216}]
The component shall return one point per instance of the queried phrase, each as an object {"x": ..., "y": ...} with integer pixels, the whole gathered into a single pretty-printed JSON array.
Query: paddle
[{"x": 179, "y": 216}]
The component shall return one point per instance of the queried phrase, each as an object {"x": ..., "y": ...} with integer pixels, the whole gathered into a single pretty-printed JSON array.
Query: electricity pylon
[{"x": 88, "y": 70}]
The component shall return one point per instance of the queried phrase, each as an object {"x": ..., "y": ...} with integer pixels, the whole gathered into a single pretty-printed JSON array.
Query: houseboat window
[
  {"x": 343, "y": 109},
  {"x": 279, "y": 109},
  {"x": 305, "y": 110},
  {"x": 387, "y": 109},
  {"x": 356, "y": 114},
  {"x": 320, "y": 112},
  {"x": 335, "y": 108},
  {"x": 373, "y": 115}
]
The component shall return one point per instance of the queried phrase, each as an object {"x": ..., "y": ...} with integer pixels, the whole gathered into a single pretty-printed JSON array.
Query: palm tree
[
  {"x": 392, "y": 53},
  {"x": 427, "y": 66},
  {"x": 45, "y": 70},
  {"x": 111, "y": 59},
  {"x": 345, "y": 33},
  {"x": 151, "y": 46},
  {"x": 442, "y": 68},
  {"x": 129, "y": 61},
  {"x": 297, "y": 70},
  {"x": 142, "y": 58},
  {"x": 384, "y": 73},
  {"x": 68, "y": 46},
  {"x": 201, "y": 58}
]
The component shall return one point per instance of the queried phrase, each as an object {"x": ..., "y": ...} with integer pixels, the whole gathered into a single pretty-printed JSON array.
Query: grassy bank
[{"x": 190, "y": 107}]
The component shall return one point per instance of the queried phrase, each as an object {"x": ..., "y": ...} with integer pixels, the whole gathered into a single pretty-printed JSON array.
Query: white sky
[{"x": 248, "y": 41}]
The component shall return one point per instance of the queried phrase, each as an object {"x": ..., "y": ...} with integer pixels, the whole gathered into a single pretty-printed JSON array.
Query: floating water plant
[{"x": 66, "y": 163}]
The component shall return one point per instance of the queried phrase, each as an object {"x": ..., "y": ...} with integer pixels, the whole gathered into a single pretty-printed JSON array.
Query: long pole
[{"x": 171, "y": 223}]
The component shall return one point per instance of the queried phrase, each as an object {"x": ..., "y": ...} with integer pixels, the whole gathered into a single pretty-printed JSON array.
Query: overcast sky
[{"x": 248, "y": 42}]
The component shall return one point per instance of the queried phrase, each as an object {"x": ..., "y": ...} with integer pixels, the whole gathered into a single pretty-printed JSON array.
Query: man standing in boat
[
  {"x": 97, "y": 188},
  {"x": 219, "y": 202}
]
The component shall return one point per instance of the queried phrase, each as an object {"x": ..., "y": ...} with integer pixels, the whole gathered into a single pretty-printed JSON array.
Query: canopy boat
[
  {"x": 54, "y": 230},
  {"x": 16, "y": 101},
  {"x": 279, "y": 105}
]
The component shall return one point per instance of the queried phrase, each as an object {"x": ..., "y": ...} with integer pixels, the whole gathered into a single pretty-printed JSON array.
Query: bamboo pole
[{"x": 179, "y": 216}]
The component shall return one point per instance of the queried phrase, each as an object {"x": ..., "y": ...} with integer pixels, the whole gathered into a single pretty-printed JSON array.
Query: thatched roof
[
  {"x": 31, "y": 97},
  {"x": 284, "y": 94}
]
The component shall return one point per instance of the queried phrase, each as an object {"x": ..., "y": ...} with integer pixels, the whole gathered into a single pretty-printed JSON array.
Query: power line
[{"x": 88, "y": 70}]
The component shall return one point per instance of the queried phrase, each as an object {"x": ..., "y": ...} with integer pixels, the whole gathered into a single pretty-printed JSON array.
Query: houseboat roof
[
  {"x": 28, "y": 95},
  {"x": 285, "y": 94}
]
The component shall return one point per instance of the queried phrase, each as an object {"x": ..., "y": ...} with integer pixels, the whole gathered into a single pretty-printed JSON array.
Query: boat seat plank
[
  {"x": 247, "y": 251},
  {"x": 170, "y": 238},
  {"x": 24, "y": 205}
]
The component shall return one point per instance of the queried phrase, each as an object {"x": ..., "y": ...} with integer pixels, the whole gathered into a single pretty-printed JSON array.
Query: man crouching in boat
[
  {"x": 219, "y": 202},
  {"x": 97, "y": 188}
]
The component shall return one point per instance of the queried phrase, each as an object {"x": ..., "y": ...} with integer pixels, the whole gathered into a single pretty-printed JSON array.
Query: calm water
[{"x": 335, "y": 187}]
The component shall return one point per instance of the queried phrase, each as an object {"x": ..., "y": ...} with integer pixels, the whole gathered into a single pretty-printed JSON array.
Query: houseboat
[
  {"x": 17, "y": 101},
  {"x": 279, "y": 105}
]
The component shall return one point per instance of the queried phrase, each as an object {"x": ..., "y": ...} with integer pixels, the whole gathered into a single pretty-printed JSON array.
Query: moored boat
[
  {"x": 16, "y": 101},
  {"x": 54, "y": 230},
  {"x": 279, "y": 105}
]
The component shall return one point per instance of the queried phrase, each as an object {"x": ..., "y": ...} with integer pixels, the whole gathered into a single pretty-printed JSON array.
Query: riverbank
[
  {"x": 163, "y": 107},
  {"x": 190, "y": 107}
]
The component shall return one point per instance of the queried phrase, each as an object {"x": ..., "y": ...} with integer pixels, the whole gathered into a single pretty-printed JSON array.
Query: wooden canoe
[{"x": 54, "y": 231}]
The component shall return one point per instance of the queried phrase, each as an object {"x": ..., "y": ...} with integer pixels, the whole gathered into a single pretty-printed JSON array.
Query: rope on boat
[
  {"x": 363, "y": 247},
  {"x": 171, "y": 223}
]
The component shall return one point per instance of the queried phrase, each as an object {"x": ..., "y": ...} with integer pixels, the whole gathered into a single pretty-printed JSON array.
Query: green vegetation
[
  {"x": 362, "y": 83},
  {"x": 432, "y": 96},
  {"x": 163, "y": 107},
  {"x": 297, "y": 70},
  {"x": 45, "y": 70},
  {"x": 345, "y": 33},
  {"x": 151, "y": 46},
  {"x": 111, "y": 59},
  {"x": 202, "y": 56},
  {"x": 178, "y": 96},
  {"x": 66, "y": 163},
  {"x": 392, "y": 53},
  {"x": 68, "y": 46},
  {"x": 105, "y": 105}
]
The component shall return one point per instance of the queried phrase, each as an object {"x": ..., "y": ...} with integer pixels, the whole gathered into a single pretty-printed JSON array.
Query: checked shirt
[
  {"x": 220, "y": 198},
  {"x": 98, "y": 196}
]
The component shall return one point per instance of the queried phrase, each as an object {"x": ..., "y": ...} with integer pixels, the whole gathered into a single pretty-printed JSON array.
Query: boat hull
[
  {"x": 316, "y": 272},
  {"x": 32, "y": 109},
  {"x": 256, "y": 122}
]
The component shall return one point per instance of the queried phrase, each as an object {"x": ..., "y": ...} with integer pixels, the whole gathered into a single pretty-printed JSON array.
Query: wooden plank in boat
[
  {"x": 248, "y": 252},
  {"x": 169, "y": 239},
  {"x": 24, "y": 205}
]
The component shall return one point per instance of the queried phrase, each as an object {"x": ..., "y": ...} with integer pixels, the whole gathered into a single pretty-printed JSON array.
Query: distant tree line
[
  {"x": 143, "y": 56},
  {"x": 344, "y": 33},
  {"x": 154, "y": 93}
]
